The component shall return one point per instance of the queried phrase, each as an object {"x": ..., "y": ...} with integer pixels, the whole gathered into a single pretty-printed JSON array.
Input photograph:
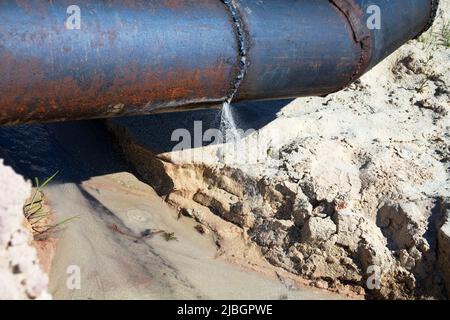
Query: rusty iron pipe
[{"x": 147, "y": 56}]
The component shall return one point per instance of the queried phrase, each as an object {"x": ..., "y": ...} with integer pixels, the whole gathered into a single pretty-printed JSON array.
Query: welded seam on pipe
[
  {"x": 361, "y": 34},
  {"x": 433, "y": 15},
  {"x": 241, "y": 37}
]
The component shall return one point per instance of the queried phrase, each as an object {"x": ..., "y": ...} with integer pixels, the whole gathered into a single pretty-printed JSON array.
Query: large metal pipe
[{"x": 145, "y": 56}]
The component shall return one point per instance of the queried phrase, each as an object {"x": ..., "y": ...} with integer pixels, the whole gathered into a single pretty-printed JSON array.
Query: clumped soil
[{"x": 339, "y": 185}]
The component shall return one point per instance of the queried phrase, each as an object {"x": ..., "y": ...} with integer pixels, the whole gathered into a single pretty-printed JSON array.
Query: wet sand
[
  {"x": 114, "y": 210},
  {"x": 91, "y": 184}
]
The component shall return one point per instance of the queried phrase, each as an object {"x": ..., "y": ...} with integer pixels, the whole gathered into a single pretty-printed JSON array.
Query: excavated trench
[
  {"x": 118, "y": 244},
  {"x": 304, "y": 226},
  {"x": 352, "y": 231}
]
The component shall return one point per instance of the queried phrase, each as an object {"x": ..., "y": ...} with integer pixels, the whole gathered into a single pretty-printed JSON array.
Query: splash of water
[{"x": 228, "y": 128}]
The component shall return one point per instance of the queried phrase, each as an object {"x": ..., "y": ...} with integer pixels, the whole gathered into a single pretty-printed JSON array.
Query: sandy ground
[
  {"x": 335, "y": 185},
  {"x": 114, "y": 211},
  {"x": 21, "y": 277},
  {"x": 328, "y": 187}
]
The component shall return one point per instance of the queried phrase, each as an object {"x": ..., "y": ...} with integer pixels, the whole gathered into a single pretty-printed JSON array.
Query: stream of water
[{"x": 228, "y": 127}]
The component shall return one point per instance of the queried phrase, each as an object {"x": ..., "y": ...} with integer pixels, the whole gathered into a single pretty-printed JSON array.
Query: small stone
[
  {"x": 302, "y": 209},
  {"x": 317, "y": 230},
  {"x": 406, "y": 260},
  {"x": 200, "y": 229},
  {"x": 331, "y": 260},
  {"x": 321, "y": 284},
  {"x": 146, "y": 233},
  {"x": 347, "y": 261},
  {"x": 415, "y": 253}
]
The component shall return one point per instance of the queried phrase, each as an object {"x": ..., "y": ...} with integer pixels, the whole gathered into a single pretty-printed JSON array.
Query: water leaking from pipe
[
  {"x": 228, "y": 127},
  {"x": 144, "y": 57}
]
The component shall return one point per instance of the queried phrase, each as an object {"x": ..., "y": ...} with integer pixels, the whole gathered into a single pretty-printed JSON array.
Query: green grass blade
[{"x": 48, "y": 180}]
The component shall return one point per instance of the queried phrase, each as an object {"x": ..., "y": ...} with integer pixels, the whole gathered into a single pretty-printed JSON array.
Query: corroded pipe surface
[{"x": 147, "y": 56}]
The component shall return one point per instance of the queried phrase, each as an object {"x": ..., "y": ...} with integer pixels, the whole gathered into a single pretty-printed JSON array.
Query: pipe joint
[
  {"x": 361, "y": 34},
  {"x": 433, "y": 14}
]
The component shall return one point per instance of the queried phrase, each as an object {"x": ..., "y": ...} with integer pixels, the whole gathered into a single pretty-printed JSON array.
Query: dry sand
[{"x": 333, "y": 186}]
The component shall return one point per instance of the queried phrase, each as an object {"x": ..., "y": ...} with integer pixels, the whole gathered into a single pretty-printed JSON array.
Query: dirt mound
[
  {"x": 20, "y": 274},
  {"x": 349, "y": 191}
]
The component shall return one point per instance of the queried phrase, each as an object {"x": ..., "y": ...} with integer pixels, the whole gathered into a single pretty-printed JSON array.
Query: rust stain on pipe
[{"x": 146, "y": 56}]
